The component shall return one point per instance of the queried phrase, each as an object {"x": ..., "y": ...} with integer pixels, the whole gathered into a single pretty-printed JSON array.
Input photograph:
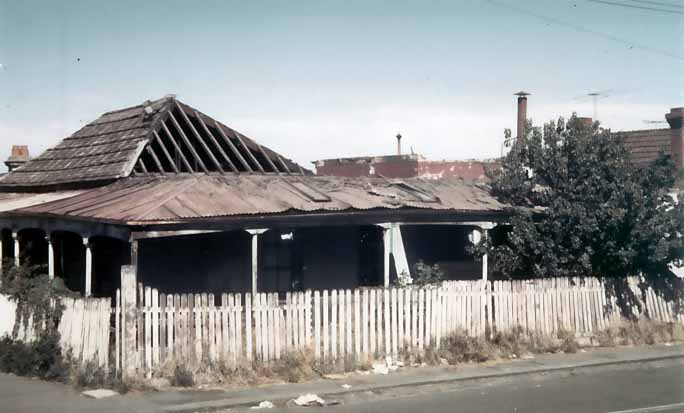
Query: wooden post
[
  {"x": 51, "y": 256},
  {"x": 134, "y": 253},
  {"x": 15, "y": 237},
  {"x": 386, "y": 242},
  {"x": 255, "y": 257},
  {"x": 88, "y": 267},
  {"x": 128, "y": 320}
]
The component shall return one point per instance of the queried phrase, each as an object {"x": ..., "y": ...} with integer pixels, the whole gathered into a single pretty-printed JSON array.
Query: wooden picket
[{"x": 335, "y": 325}]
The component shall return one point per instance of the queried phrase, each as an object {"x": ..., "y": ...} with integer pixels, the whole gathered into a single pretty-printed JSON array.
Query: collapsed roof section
[{"x": 161, "y": 137}]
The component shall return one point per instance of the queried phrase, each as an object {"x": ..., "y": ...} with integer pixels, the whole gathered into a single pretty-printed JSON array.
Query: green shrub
[{"x": 41, "y": 358}]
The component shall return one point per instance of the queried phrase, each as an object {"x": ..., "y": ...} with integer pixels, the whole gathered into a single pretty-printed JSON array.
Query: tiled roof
[{"x": 183, "y": 199}]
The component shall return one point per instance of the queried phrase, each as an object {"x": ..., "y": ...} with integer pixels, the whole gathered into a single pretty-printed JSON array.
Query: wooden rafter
[
  {"x": 177, "y": 147},
  {"x": 238, "y": 136},
  {"x": 158, "y": 139},
  {"x": 284, "y": 164},
  {"x": 233, "y": 148},
  {"x": 141, "y": 163},
  {"x": 149, "y": 150},
  {"x": 268, "y": 159},
  {"x": 215, "y": 143},
  {"x": 200, "y": 139},
  {"x": 187, "y": 143}
]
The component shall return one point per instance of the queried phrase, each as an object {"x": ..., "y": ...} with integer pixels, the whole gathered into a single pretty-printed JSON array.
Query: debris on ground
[
  {"x": 99, "y": 393},
  {"x": 263, "y": 405},
  {"x": 380, "y": 368},
  {"x": 307, "y": 400},
  {"x": 346, "y": 386}
]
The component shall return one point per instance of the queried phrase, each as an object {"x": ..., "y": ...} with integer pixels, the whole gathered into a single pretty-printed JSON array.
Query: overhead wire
[
  {"x": 634, "y": 6},
  {"x": 582, "y": 29}
]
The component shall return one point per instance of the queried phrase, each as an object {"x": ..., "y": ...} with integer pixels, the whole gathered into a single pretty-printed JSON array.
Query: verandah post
[
  {"x": 255, "y": 257},
  {"x": 128, "y": 320}
]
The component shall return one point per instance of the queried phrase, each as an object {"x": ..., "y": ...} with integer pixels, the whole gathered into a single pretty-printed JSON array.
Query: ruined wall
[{"x": 466, "y": 170}]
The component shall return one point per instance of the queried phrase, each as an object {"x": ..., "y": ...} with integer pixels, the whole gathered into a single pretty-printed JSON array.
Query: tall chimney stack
[
  {"x": 674, "y": 119},
  {"x": 18, "y": 157},
  {"x": 398, "y": 143},
  {"x": 522, "y": 115}
]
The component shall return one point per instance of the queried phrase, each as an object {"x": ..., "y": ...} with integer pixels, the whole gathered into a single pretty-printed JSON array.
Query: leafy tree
[{"x": 583, "y": 208}]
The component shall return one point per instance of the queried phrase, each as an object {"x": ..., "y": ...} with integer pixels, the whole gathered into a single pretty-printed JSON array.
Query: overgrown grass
[{"x": 642, "y": 331}]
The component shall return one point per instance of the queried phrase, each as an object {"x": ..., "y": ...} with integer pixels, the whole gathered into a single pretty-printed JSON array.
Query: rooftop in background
[
  {"x": 645, "y": 145},
  {"x": 405, "y": 166},
  {"x": 153, "y": 138}
]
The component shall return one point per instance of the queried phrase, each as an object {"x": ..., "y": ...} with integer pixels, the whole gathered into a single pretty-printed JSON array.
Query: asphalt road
[
  {"x": 627, "y": 388},
  {"x": 651, "y": 387}
]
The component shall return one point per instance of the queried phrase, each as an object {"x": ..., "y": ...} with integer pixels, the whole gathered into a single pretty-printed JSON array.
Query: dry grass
[{"x": 642, "y": 331}]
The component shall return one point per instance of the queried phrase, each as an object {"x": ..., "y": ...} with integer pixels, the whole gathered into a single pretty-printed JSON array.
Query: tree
[{"x": 582, "y": 208}]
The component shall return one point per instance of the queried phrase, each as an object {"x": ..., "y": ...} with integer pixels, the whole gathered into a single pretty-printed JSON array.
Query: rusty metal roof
[
  {"x": 156, "y": 137},
  {"x": 12, "y": 201},
  {"x": 147, "y": 200}
]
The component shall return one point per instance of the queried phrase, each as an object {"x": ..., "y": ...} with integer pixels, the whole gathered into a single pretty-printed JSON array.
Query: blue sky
[{"x": 325, "y": 79}]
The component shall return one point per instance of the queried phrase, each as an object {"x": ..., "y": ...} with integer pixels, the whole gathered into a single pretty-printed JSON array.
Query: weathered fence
[
  {"x": 360, "y": 324},
  {"x": 84, "y": 327}
]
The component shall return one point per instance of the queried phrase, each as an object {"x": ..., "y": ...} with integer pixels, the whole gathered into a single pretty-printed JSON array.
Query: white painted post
[
  {"x": 128, "y": 320},
  {"x": 51, "y": 256},
  {"x": 88, "y": 267},
  {"x": 15, "y": 237},
  {"x": 255, "y": 256},
  {"x": 386, "y": 242}
]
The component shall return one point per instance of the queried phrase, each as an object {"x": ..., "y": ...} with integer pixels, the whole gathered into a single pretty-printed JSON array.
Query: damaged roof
[
  {"x": 146, "y": 200},
  {"x": 160, "y": 136}
]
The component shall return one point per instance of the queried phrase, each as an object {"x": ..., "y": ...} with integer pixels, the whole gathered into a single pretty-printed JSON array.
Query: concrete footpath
[{"x": 206, "y": 400}]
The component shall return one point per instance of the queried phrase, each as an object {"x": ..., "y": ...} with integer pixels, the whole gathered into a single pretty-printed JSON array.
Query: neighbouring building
[
  {"x": 405, "y": 166},
  {"x": 645, "y": 145},
  {"x": 199, "y": 207}
]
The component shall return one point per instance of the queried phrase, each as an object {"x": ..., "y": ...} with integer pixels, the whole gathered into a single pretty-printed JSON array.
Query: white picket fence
[
  {"x": 84, "y": 327},
  {"x": 363, "y": 323}
]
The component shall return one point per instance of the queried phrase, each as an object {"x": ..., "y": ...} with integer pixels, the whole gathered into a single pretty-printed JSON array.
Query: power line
[
  {"x": 660, "y": 3},
  {"x": 634, "y": 6},
  {"x": 607, "y": 36}
]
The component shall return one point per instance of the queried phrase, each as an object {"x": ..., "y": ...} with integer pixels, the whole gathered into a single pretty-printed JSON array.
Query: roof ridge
[{"x": 169, "y": 96}]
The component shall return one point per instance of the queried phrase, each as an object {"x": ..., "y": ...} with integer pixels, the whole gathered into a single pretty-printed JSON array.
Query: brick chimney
[
  {"x": 586, "y": 121},
  {"x": 674, "y": 119},
  {"x": 522, "y": 115},
  {"x": 18, "y": 157}
]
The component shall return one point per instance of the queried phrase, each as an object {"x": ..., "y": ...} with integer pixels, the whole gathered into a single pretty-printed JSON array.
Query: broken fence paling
[
  {"x": 84, "y": 328},
  {"x": 361, "y": 323}
]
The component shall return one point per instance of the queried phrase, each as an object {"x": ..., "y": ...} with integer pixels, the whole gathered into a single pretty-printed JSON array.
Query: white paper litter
[
  {"x": 380, "y": 368},
  {"x": 346, "y": 386},
  {"x": 99, "y": 393},
  {"x": 263, "y": 405},
  {"x": 309, "y": 400}
]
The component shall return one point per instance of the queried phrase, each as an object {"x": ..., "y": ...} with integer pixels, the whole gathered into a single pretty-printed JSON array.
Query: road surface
[{"x": 636, "y": 388}]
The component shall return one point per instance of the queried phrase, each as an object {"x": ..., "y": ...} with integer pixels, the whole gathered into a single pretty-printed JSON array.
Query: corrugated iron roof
[
  {"x": 12, "y": 201},
  {"x": 184, "y": 198}
]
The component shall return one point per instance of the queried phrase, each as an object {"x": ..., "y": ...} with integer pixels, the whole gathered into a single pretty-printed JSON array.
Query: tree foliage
[{"x": 583, "y": 208}]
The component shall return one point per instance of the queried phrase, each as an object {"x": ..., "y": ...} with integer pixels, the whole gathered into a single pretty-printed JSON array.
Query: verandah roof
[{"x": 143, "y": 201}]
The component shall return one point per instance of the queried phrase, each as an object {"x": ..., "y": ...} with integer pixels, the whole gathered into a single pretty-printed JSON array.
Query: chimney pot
[
  {"x": 18, "y": 157},
  {"x": 674, "y": 119}
]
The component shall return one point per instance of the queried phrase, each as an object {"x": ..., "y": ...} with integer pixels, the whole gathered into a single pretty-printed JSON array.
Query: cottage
[{"x": 198, "y": 206}]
